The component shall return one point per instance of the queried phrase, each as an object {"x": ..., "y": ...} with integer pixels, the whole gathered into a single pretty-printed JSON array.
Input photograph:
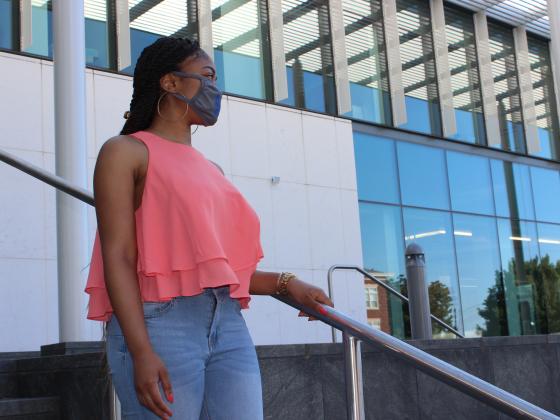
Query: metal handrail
[
  {"x": 437, "y": 368},
  {"x": 386, "y": 287}
]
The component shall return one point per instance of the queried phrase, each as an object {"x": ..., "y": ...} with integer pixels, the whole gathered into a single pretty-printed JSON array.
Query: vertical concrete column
[
  {"x": 486, "y": 79},
  {"x": 554, "y": 19},
  {"x": 449, "y": 123},
  {"x": 278, "y": 57},
  {"x": 394, "y": 64},
  {"x": 122, "y": 16},
  {"x": 340, "y": 60},
  {"x": 71, "y": 164},
  {"x": 528, "y": 112},
  {"x": 25, "y": 24},
  {"x": 205, "y": 27}
]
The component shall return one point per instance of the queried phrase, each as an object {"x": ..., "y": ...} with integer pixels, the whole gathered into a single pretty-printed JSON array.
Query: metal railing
[
  {"x": 353, "y": 331},
  {"x": 386, "y": 287}
]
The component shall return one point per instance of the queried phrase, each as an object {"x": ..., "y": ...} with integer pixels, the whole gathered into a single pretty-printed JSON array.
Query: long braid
[{"x": 156, "y": 60}]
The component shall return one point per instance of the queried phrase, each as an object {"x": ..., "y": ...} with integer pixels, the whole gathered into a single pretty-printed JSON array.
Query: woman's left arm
[{"x": 265, "y": 283}]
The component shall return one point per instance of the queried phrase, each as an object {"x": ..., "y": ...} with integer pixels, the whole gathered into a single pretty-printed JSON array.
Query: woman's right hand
[{"x": 149, "y": 370}]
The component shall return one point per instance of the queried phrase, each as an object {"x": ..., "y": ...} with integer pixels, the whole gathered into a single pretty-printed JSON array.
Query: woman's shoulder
[{"x": 125, "y": 149}]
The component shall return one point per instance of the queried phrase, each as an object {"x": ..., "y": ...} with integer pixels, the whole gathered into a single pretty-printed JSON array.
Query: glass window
[
  {"x": 152, "y": 20},
  {"x": 383, "y": 255},
  {"x": 97, "y": 34},
  {"x": 478, "y": 260},
  {"x": 7, "y": 38},
  {"x": 506, "y": 87},
  {"x": 42, "y": 40},
  {"x": 307, "y": 44},
  {"x": 548, "y": 286},
  {"x": 512, "y": 190},
  {"x": 546, "y": 190},
  {"x": 520, "y": 255},
  {"x": 372, "y": 297},
  {"x": 423, "y": 176},
  {"x": 432, "y": 231},
  {"x": 374, "y": 322},
  {"x": 376, "y": 168},
  {"x": 418, "y": 65},
  {"x": 367, "y": 61},
  {"x": 240, "y": 42},
  {"x": 545, "y": 100},
  {"x": 469, "y": 182},
  {"x": 463, "y": 66}
]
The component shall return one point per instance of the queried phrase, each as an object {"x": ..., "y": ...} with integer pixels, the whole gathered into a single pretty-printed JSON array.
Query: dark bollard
[{"x": 419, "y": 302}]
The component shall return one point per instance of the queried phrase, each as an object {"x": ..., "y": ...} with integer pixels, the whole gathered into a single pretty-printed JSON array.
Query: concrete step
[{"x": 43, "y": 408}]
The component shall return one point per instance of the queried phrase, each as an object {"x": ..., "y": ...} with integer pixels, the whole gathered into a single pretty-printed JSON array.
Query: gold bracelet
[{"x": 282, "y": 282}]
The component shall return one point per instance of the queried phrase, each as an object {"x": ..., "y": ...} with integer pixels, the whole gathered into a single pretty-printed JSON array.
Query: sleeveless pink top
[{"x": 194, "y": 229}]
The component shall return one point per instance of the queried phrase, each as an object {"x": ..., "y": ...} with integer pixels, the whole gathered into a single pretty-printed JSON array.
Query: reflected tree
[{"x": 493, "y": 310}]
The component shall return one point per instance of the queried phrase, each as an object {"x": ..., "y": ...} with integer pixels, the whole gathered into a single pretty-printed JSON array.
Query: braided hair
[{"x": 156, "y": 60}]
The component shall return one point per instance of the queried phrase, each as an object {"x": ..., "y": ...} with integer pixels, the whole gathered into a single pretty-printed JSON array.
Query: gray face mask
[{"x": 206, "y": 102}]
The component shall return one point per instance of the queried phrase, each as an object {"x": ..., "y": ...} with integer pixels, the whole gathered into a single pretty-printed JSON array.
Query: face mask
[{"x": 206, "y": 102}]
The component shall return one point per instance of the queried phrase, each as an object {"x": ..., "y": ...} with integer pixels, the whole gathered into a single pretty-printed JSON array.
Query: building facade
[{"x": 386, "y": 122}]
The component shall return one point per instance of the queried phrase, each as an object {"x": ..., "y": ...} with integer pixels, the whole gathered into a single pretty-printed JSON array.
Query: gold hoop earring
[{"x": 159, "y": 112}]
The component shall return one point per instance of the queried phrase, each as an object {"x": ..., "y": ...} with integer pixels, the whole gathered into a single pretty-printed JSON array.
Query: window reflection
[
  {"x": 545, "y": 99},
  {"x": 432, "y": 230},
  {"x": 506, "y": 87},
  {"x": 383, "y": 255},
  {"x": 367, "y": 61},
  {"x": 546, "y": 190},
  {"x": 239, "y": 36},
  {"x": 512, "y": 190},
  {"x": 469, "y": 182},
  {"x": 41, "y": 16},
  {"x": 520, "y": 255},
  {"x": 307, "y": 45},
  {"x": 376, "y": 168},
  {"x": 418, "y": 65},
  {"x": 463, "y": 67},
  {"x": 548, "y": 284},
  {"x": 478, "y": 262},
  {"x": 97, "y": 34},
  {"x": 7, "y": 39},
  {"x": 423, "y": 176},
  {"x": 148, "y": 22}
]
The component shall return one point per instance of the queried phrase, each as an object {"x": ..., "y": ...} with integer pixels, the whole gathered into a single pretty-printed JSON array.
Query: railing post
[
  {"x": 353, "y": 378},
  {"x": 419, "y": 303},
  {"x": 114, "y": 405}
]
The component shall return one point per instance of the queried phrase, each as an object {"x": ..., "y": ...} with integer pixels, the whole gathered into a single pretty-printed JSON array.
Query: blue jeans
[{"x": 211, "y": 359}]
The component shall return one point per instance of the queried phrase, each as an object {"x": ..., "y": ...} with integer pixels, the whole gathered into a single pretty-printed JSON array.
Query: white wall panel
[
  {"x": 291, "y": 225},
  {"x": 22, "y": 224},
  {"x": 111, "y": 96},
  {"x": 325, "y": 226},
  {"x": 321, "y": 155},
  {"x": 285, "y": 144},
  {"x": 345, "y": 152},
  {"x": 247, "y": 124},
  {"x": 20, "y": 106}
]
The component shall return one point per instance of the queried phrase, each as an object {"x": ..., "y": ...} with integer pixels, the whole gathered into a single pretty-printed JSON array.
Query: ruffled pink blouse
[{"x": 194, "y": 229}]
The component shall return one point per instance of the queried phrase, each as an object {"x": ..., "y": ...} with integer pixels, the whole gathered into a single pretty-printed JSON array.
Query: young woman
[{"x": 175, "y": 253}]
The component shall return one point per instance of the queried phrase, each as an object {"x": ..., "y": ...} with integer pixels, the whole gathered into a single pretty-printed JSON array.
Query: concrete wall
[
  {"x": 309, "y": 220},
  {"x": 302, "y": 382}
]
